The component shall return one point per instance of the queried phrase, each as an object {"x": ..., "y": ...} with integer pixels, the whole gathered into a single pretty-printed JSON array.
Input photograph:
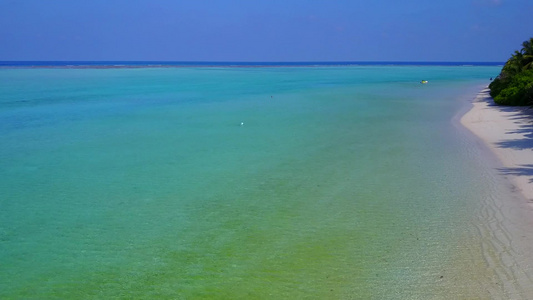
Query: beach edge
[{"x": 508, "y": 132}]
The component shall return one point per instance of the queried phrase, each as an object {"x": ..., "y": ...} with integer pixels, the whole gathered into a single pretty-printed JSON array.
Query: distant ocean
[
  {"x": 325, "y": 181},
  {"x": 231, "y": 64}
]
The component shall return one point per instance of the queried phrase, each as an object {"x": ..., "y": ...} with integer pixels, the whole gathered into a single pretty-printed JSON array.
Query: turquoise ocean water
[{"x": 329, "y": 182}]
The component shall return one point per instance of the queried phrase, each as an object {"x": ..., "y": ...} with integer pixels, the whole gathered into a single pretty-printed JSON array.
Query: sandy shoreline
[{"x": 508, "y": 132}]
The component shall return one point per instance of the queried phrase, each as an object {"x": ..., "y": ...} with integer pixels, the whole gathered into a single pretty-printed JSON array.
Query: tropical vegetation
[{"x": 514, "y": 85}]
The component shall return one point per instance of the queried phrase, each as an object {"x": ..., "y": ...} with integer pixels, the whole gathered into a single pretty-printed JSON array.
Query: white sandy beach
[{"x": 508, "y": 132}]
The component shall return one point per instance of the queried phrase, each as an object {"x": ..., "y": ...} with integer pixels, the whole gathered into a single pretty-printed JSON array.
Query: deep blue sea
[{"x": 257, "y": 182}]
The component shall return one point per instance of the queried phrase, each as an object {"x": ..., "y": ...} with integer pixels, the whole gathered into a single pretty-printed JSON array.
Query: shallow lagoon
[{"x": 341, "y": 182}]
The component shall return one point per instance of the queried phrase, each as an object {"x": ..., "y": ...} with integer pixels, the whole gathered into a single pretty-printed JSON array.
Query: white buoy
[{"x": 242, "y": 123}]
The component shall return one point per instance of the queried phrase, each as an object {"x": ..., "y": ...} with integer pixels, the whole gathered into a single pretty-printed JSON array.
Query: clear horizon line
[{"x": 259, "y": 61}]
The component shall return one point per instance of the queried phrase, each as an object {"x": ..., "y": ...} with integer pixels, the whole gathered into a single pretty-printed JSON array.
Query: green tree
[
  {"x": 514, "y": 85},
  {"x": 527, "y": 52}
]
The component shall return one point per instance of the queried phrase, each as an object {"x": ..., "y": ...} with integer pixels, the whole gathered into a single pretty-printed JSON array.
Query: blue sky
[{"x": 264, "y": 30}]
